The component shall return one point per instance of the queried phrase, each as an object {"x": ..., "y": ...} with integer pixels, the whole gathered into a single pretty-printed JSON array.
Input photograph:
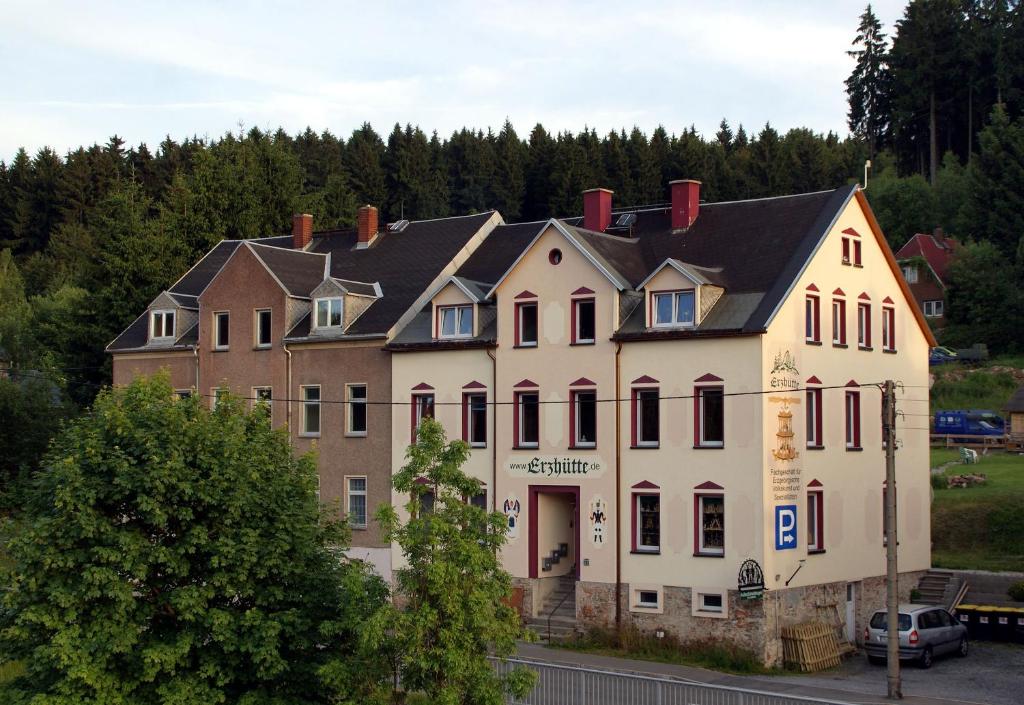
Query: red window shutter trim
[
  {"x": 582, "y": 291},
  {"x": 851, "y": 231},
  {"x": 632, "y": 418},
  {"x": 812, "y": 287},
  {"x": 814, "y": 483},
  {"x": 708, "y": 378},
  {"x": 645, "y": 485},
  {"x": 864, "y": 296},
  {"x": 813, "y": 380},
  {"x": 474, "y": 385},
  {"x": 525, "y": 384},
  {"x": 852, "y": 383},
  {"x": 465, "y": 417},
  {"x": 583, "y": 382},
  {"x": 709, "y": 485},
  {"x": 526, "y": 294},
  {"x": 422, "y": 386},
  {"x": 645, "y": 379},
  {"x": 838, "y": 292},
  {"x": 887, "y": 300},
  {"x": 632, "y": 521}
]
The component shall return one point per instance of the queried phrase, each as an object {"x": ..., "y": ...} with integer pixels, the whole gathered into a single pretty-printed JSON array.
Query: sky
[{"x": 74, "y": 73}]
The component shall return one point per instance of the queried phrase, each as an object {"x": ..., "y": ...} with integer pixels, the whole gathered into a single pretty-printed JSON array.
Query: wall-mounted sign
[
  {"x": 598, "y": 520},
  {"x": 750, "y": 581},
  {"x": 784, "y": 374},
  {"x": 564, "y": 467},
  {"x": 784, "y": 448},
  {"x": 785, "y": 527},
  {"x": 511, "y": 508}
]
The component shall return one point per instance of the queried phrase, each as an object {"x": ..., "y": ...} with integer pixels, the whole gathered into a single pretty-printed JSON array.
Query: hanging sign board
[{"x": 750, "y": 581}]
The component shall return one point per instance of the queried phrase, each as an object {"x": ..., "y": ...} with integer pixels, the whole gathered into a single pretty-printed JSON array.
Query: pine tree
[
  {"x": 540, "y": 158},
  {"x": 868, "y": 88},
  {"x": 364, "y": 156},
  {"x": 996, "y": 180},
  {"x": 509, "y": 173}
]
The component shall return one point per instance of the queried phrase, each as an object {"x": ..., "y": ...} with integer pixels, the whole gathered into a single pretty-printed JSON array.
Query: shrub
[
  {"x": 1016, "y": 591},
  {"x": 939, "y": 482}
]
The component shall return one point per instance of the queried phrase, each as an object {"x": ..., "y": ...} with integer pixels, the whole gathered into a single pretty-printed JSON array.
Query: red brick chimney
[
  {"x": 367, "y": 225},
  {"x": 597, "y": 209},
  {"x": 685, "y": 202},
  {"x": 302, "y": 230}
]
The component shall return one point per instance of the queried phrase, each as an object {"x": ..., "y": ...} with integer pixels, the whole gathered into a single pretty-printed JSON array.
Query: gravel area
[{"x": 992, "y": 674}]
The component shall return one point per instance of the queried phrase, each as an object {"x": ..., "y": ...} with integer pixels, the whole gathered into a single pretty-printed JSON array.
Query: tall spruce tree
[
  {"x": 996, "y": 180},
  {"x": 867, "y": 88}
]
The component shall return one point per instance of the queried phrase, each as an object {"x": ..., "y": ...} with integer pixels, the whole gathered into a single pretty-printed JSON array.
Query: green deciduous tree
[
  {"x": 985, "y": 299},
  {"x": 450, "y": 608},
  {"x": 996, "y": 179},
  {"x": 170, "y": 554}
]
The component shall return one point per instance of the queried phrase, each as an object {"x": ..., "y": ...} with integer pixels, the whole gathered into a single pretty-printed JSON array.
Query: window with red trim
[
  {"x": 889, "y": 329},
  {"x": 815, "y": 521},
  {"x": 422, "y": 407},
  {"x": 852, "y": 420},
  {"x": 527, "y": 419},
  {"x": 526, "y": 324},
  {"x": 710, "y": 416},
  {"x": 812, "y": 319},
  {"x": 474, "y": 419},
  {"x": 583, "y": 321},
  {"x": 838, "y": 322},
  {"x": 864, "y": 325},
  {"x": 846, "y": 250},
  {"x": 646, "y": 422},
  {"x": 856, "y": 253},
  {"x": 583, "y": 411},
  {"x": 814, "y": 418},
  {"x": 709, "y": 509},
  {"x": 646, "y": 522}
]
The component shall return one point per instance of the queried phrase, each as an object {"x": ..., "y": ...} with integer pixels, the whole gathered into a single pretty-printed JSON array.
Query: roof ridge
[
  {"x": 770, "y": 198},
  {"x": 453, "y": 217},
  {"x": 285, "y": 249}
]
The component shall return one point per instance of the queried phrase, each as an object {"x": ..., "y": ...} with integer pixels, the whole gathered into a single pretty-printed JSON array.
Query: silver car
[{"x": 926, "y": 631}]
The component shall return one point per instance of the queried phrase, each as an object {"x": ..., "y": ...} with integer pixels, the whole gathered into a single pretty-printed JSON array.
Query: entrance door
[
  {"x": 554, "y": 526},
  {"x": 851, "y": 614}
]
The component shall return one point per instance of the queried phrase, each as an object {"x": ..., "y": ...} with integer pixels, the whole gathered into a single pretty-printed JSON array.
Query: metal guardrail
[{"x": 572, "y": 685}]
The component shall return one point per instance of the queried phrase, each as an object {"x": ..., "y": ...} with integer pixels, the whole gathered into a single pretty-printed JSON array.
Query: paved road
[{"x": 992, "y": 675}]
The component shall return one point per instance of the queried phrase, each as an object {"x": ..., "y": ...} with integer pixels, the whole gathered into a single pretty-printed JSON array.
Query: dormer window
[
  {"x": 328, "y": 313},
  {"x": 455, "y": 321},
  {"x": 673, "y": 308},
  {"x": 161, "y": 325}
]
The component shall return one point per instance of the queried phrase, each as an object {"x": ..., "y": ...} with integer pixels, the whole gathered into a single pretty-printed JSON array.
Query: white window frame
[
  {"x": 578, "y": 339},
  {"x": 349, "y": 494},
  {"x": 838, "y": 321},
  {"x": 910, "y": 273},
  {"x": 215, "y": 394},
  {"x": 641, "y": 547},
  {"x": 638, "y": 413},
  {"x": 815, "y": 499},
  {"x": 521, "y": 411},
  {"x": 418, "y": 400},
  {"x": 256, "y": 396},
  {"x": 458, "y": 311},
  {"x": 164, "y": 315},
  {"x": 888, "y": 326},
  {"x": 576, "y": 442},
  {"x": 520, "y": 307},
  {"x": 812, "y": 318},
  {"x": 306, "y": 405},
  {"x": 702, "y": 603},
  {"x": 330, "y": 301},
  {"x": 640, "y": 602},
  {"x": 350, "y": 403},
  {"x": 258, "y": 328},
  {"x": 217, "y": 343},
  {"x": 812, "y": 397},
  {"x": 934, "y": 308},
  {"x": 676, "y": 296},
  {"x": 469, "y": 397},
  {"x": 702, "y": 548},
  {"x": 863, "y": 324},
  {"x": 852, "y": 403}
]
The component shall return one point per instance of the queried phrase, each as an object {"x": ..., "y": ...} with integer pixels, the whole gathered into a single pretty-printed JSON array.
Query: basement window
[
  {"x": 647, "y": 598},
  {"x": 710, "y": 602}
]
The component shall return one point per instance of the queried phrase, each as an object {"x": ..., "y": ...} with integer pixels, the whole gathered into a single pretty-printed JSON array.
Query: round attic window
[{"x": 555, "y": 256}]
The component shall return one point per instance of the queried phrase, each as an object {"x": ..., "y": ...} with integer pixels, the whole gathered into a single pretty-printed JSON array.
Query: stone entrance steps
[{"x": 560, "y": 606}]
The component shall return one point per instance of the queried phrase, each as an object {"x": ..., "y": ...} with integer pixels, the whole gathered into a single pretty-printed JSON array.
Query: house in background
[
  {"x": 1014, "y": 410},
  {"x": 925, "y": 260}
]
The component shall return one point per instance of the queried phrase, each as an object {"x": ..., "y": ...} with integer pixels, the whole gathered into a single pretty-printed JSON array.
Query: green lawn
[
  {"x": 941, "y": 456},
  {"x": 981, "y": 527}
]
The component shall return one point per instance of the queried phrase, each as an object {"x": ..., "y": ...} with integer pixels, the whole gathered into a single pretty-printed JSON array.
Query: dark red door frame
[{"x": 535, "y": 490}]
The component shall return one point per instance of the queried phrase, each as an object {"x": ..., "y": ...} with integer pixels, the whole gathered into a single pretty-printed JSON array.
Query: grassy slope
[
  {"x": 985, "y": 387},
  {"x": 982, "y": 527}
]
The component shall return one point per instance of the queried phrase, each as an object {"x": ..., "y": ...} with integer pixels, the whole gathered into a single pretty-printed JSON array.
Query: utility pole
[{"x": 892, "y": 597}]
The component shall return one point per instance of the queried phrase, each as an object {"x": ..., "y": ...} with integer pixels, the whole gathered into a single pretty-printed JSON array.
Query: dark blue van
[{"x": 971, "y": 422}]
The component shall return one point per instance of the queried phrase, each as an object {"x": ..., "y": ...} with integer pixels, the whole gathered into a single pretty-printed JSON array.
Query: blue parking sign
[{"x": 785, "y": 527}]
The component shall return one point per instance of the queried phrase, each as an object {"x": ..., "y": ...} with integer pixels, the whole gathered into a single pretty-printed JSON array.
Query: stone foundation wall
[{"x": 752, "y": 625}]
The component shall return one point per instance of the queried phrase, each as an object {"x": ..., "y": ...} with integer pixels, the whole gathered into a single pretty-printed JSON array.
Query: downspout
[
  {"x": 618, "y": 496},
  {"x": 494, "y": 432},
  {"x": 195, "y": 354},
  {"x": 288, "y": 397}
]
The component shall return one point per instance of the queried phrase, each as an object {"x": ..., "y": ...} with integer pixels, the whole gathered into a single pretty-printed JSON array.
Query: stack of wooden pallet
[{"x": 810, "y": 647}]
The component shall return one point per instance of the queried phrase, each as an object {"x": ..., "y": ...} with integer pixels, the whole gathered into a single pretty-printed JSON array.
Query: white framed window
[
  {"x": 527, "y": 419},
  {"x": 853, "y": 420},
  {"x": 264, "y": 337},
  {"x": 933, "y": 309},
  {"x": 311, "y": 410},
  {"x": 221, "y": 330},
  {"x": 356, "y": 492},
  {"x": 474, "y": 414},
  {"x": 647, "y": 529},
  {"x": 814, "y": 420},
  {"x": 584, "y": 408},
  {"x": 355, "y": 403},
  {"x": 455, "y": 321},
  {"x": 217, "y": 395},
  {"x": 161, "y": 325},
  {"x": 711, "y": 431},
  {"x": 526, "y": 324},
  {"x": 910, "y": 273},
  {"x": 889, "y": 329},
  {"x": 711, "y": 602},
  {"x": 422, "y": 407},
  {"x": 328, "y": 312},
  {"x": 262, "y": 395},
  {"x": 673, "y": 308},
  {"x": 838, "y": 322},
  {"x": 864, "y": 325},
  {"x": 646, "y": 418},
  {"x": 812, "y": 319},
  {"x": 711, "y": 516},
  {"x": 647, "y": 598},
  {"x": 584, "y": 321}
]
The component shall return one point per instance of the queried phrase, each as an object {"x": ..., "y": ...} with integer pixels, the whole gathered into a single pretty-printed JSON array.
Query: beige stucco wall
[
  {"x": 852, "y": 481},
  {"x": 553, "y": 365}
]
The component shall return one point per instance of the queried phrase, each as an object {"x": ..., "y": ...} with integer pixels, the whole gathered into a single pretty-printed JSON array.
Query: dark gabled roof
[
  {"x": 404, "y": 263},
  {"x": 299, "y": 272},
  {"x": 136, "y": 336},
  {"x": 1016, "y": 402},
  {"x": 497, "y": 253},
  {"x": 200, "y": 276},
  {"x": 357, "y": 288}
]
